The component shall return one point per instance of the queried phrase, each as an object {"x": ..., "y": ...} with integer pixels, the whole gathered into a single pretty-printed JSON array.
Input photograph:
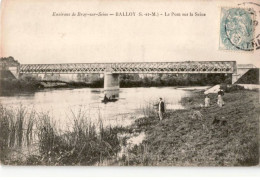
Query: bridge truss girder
[{"x": 135, "y": 67}]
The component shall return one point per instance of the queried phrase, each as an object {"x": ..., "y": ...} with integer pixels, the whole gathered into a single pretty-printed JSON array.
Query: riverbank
[
  {"x": 185, "y": 137},
  {"x": 189, "y": 137}
]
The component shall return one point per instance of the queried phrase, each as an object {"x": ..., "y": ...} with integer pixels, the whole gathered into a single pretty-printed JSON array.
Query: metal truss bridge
[{"x": 132, "y": 67}]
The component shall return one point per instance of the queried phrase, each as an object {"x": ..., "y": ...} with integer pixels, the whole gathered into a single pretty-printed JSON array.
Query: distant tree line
[
  {"x": 156, "y": 80},
  {"x": 5, "y": 61}
]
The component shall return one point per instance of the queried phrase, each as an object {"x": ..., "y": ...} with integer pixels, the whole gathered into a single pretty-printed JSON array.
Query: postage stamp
[{"x": 236, "y": 29}]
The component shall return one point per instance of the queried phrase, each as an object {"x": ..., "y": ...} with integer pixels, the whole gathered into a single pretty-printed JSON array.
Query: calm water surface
[{"x": 63, "y": 105}]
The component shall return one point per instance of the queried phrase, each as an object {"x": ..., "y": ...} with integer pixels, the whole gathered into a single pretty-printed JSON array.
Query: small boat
[{"x": 109, "y": 100}]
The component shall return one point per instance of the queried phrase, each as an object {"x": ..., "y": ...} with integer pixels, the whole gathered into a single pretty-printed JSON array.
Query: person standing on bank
[
  {"x": 207, "y": 101},
  {"x": 161, "y": 109},
  {"x": 220, "y": 98}
]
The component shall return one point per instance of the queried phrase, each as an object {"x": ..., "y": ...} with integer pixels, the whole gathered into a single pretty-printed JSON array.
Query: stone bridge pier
[{"x": 111, "y": 85}]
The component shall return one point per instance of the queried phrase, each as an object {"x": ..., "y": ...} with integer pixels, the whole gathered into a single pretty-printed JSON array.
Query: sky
[{"x": 32, "y": 35}]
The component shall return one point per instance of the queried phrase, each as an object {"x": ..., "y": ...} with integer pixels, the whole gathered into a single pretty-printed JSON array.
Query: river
[{"x": 63, "y": 105}]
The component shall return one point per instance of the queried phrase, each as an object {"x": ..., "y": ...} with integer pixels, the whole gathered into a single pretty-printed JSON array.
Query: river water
[{"x": 63, "y": 105}]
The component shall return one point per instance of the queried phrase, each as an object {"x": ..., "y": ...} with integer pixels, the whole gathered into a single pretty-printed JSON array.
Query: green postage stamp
[{"x": 236, "y": 29}]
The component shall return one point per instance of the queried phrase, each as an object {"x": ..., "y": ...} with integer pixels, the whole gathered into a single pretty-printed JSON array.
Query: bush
[
  {"x": 25, "y": 83},
  {"x": 233, "y": 88}
]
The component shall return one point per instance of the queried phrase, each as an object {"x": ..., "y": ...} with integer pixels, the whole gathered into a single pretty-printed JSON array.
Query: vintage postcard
[{"x": 129, "y": 83}]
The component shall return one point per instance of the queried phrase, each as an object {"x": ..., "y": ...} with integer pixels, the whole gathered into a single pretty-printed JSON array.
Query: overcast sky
[{"x": 32, "y": 35}]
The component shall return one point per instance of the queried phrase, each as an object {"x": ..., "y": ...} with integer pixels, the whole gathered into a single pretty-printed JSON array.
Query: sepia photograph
[{"x": 129, "y": 83}]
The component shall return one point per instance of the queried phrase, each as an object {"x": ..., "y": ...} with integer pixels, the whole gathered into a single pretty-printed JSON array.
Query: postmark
[
  {"x": 255, "y": 8},
  {"x": 236, "y": 29}
]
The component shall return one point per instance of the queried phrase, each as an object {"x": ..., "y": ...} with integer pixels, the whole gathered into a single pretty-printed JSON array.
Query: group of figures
[
  {"x": 220, "y": 103},
  {"x": 220, "y": 100}
]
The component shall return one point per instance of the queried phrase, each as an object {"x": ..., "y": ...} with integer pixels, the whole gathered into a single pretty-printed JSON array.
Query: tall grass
[
  {"x": 16, "y": 126},
  {"x": 85, "y": 143},
  {"x": 149, "y": 108},
  {"x": 16, "y": 131}
]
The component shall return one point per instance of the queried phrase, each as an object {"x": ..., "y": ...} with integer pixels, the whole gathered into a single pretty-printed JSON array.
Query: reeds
[
  {"x": 85, "y": 143},
  {"x": 16, "y": 126},
  {"x": 148, "y": 109}
]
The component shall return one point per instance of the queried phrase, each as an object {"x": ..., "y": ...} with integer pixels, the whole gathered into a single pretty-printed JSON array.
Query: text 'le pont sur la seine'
[{"x": 129, "y": 14}]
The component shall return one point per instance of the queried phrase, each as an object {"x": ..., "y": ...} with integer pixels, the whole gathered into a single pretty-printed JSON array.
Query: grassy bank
[{"x": 189, "y": 137}]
